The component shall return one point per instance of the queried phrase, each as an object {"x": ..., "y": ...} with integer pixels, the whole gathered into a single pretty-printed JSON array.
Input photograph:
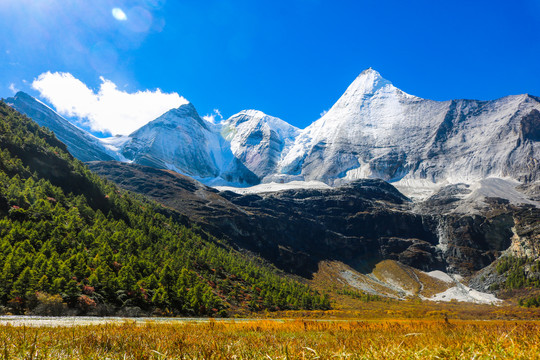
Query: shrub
[
  {"x": 49, "y": 305},
  {"x": 85, "y": 303}
]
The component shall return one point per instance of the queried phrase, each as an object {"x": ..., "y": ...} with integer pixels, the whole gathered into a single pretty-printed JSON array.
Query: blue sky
[{"x": 291, "y": 59}]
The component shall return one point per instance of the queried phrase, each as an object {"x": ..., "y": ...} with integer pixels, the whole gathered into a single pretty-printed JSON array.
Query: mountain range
[
  {"x": 374, "y": 130},
  {"x": 317, "y": 201}
]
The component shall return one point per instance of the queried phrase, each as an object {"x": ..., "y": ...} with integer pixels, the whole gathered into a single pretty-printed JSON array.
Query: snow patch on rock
[
  {"x": 459, "y": 292},
  {"x": 465, "y": 294},
  {"x": 441, "y": 275},
  {"x": 273, "y": 187}
]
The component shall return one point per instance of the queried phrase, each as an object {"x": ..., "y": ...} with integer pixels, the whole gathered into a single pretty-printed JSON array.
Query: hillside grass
[{"x": 265, "y": 339}]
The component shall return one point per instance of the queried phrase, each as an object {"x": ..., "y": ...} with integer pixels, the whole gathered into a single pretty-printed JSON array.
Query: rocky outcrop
[
  {"x": 525, "y": 241},
  {"x": 470, "y": 243},
  {"x": 298, "y": 228}
]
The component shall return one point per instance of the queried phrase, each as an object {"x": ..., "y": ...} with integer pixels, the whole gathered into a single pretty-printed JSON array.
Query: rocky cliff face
[
  {"x": 359, "y": 224},
  {"x": 525, "y": 241}
]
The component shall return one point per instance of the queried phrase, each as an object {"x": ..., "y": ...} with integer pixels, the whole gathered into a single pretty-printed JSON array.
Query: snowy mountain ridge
[
  {"x": 374, "y": 130},
  {"x": 377, "y": 130},
  {"x": 258, "y": 140},
  {"x": 80, "y": 143}
]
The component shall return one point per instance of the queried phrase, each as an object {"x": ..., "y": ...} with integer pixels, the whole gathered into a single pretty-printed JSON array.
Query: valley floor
[{"x": 267, "y": 339}]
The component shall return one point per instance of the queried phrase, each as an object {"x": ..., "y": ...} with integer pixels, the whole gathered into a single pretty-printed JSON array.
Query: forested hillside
[{"x": 72, "y": 242}]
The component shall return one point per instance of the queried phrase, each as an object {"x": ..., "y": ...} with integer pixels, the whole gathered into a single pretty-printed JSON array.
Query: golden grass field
[
  {"x": 356, "y": 329},
  {"x": 384, "y": 328},
  {"x": 268, "y": 339}
]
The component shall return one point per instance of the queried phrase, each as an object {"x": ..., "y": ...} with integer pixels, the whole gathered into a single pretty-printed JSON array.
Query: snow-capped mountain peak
[
  {"x": 376, "y": 130},
  {"x": 368, "y": 86},
  {"x": 251, "y": 120},
  {"x": 258, "y": 140},
  {"x": 184, "y": 115},
  {"x": 367, "y": 83}
]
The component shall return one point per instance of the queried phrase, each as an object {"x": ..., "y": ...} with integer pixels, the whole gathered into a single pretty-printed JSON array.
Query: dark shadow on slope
[{"x": 359, "y": 224}]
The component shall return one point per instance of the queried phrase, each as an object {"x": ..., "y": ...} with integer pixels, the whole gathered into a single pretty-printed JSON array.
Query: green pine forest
[{"x": 73, "y": 243}]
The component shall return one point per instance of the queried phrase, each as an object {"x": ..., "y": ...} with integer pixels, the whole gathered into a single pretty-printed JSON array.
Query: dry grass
[{"x": 264, "y": 339}]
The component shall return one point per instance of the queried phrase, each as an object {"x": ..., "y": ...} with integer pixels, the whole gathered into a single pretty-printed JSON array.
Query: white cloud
[
  {"x": 212, "y": 117},
  {"x": 107, "y": 110},
  {"x": 13, "y": 88},
  {"x": 218, "y": 113},
  {"x": 119, "y": 14}
]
